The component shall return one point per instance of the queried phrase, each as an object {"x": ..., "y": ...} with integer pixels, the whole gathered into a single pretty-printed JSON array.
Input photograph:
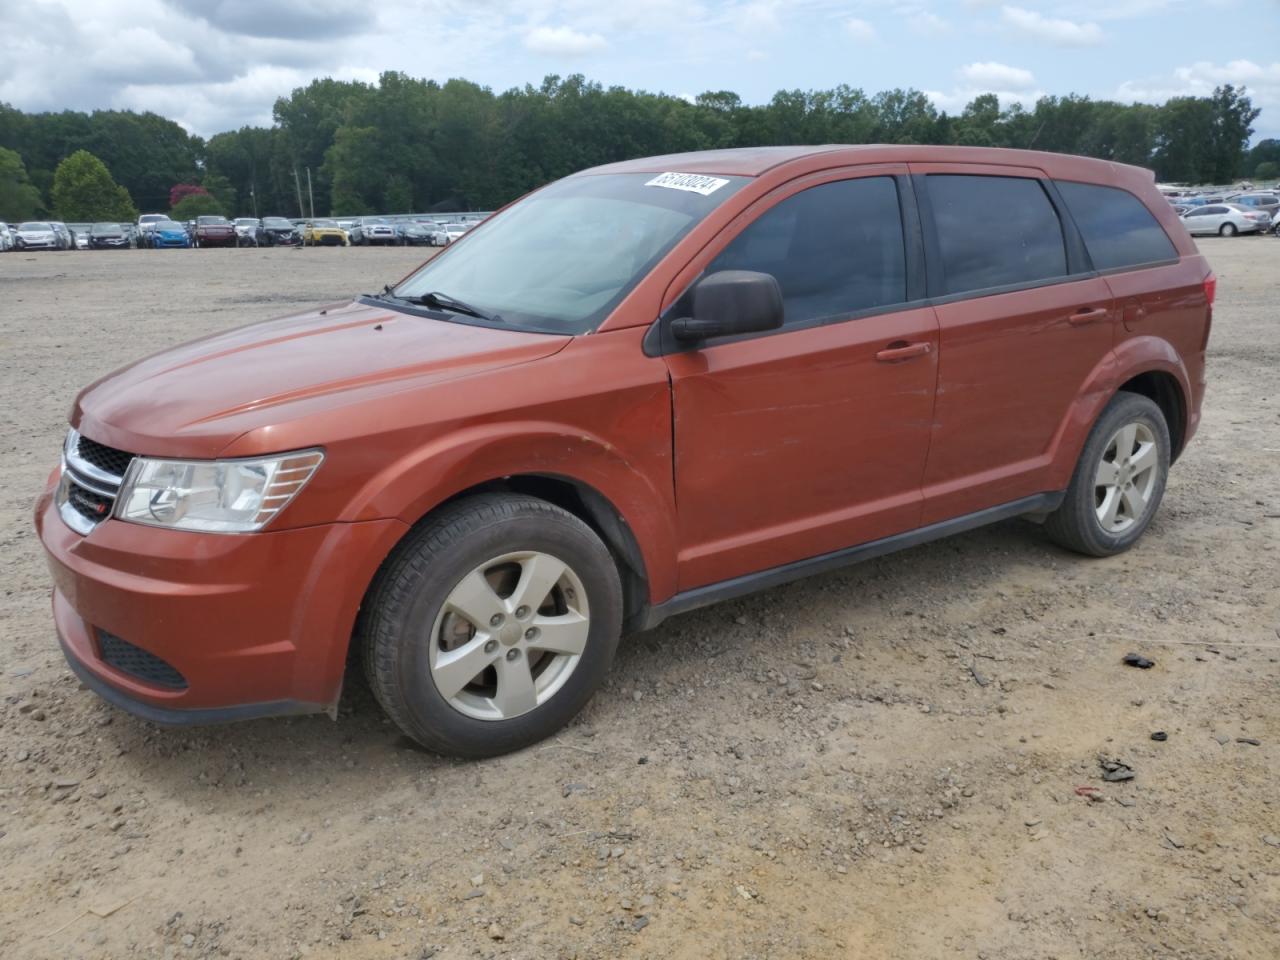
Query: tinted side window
[
  {"x": 995, "y": 231},
  {"x": 1118, "y": 229},
  {"x": 835, "y": 249}
]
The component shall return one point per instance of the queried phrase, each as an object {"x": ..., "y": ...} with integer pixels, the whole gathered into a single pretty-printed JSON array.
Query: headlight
[{"x": 216, "y": 496}]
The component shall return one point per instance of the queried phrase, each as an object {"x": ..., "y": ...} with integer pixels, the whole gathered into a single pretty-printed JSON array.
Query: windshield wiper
[{"x": 445, "y": 302}]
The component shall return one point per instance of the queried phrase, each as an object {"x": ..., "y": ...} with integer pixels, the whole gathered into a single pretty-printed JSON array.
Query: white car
[
  {"x": 455, "y": 231},
  {"x": 1225, "y": 219},
  {"x": 378, "y": 230},
  {"x": 6, "y": 238},
  {"x": 246, "y": 231},
  {"x": 38, "y": 235},
  {"x": 146, "y": 223}
]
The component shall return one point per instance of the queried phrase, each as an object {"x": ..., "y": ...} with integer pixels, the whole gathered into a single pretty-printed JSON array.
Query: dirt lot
[{"x": 877, "y": 763}]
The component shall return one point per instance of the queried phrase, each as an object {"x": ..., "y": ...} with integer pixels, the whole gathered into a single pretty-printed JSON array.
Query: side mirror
[{"x": 731, "y": 302}]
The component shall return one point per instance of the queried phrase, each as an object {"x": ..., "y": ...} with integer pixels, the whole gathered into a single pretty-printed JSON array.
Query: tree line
[{"x": 407, "y": 144}]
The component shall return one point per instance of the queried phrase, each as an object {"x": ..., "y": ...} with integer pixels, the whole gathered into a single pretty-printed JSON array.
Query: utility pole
[
  {"x": 302, "y": 211},
  {"x": 311, "y": 195},
  {"x": 253, "y": 195}
]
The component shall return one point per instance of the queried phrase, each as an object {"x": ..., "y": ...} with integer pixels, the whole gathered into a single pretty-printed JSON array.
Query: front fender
[
  {"x": 412, "y": 485},
  {"x": 1130, "y": 358}
]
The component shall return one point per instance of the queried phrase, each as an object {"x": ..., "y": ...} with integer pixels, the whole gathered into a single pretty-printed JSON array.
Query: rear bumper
[{"x": 257, "y": 625}]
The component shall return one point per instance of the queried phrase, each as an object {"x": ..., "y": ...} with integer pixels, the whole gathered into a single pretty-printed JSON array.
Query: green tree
[
  {"x": 1262, "y": 151},
  {"x": 1232, "y": 114},
  {"x": 220, "y": 188},
  {"x": 1267, "y": 170},
  {"x": 84, "y": 190},
  {"x": 197, "y": 205},
  {"x": 19, "y": 200}
]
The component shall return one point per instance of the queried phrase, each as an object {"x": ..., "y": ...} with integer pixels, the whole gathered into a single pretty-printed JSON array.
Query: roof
[{"x": 755, "y": 161}]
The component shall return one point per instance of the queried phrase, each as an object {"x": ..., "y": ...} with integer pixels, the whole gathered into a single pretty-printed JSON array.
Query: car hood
[{"x": 194, "y": 400}]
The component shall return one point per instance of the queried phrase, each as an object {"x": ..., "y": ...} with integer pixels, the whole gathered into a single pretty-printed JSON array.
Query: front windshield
[
  {"x": 106, "y": 228},
  {"x": 211, "y": 221},
  {"x": 323, "y": 223},
  {"x": 246, "y": 222},
  {"x": 277, "y": 222},
  {"x": 152, "y": 218},
  {"x": 561, "y": 259},
  {"x": 167, "y": 225},
  {"x": 36, "y": 227}
]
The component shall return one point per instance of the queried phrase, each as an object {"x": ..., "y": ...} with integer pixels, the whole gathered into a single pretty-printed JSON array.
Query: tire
[
  {"x": 1080, "y": 523},
  {"x": 1227, "y": 230},
  {"x": 406, "y": 625}
]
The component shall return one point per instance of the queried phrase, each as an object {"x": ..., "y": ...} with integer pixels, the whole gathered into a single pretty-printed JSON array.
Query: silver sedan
[{"x": 1225, "y": 219}]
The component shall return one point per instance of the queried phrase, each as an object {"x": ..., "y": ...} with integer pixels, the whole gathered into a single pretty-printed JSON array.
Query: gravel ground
[{"x": 882, "y": 762}]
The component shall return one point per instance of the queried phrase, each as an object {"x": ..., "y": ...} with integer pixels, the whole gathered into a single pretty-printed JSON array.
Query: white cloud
[
  {"x": 1065, "y": 32},
  {"x": 928, "y": 23},
  {"x": 860, "y": 30},
  {"x": 1260, "y": 80},
  {"x": 1010, "y": 85},
  {"x": 997, "y": 76},
  {"x": 563, "y": 42}
]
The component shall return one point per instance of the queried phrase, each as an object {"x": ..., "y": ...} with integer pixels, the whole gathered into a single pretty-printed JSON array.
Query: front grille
[
  {"x": 138, "y": 663},
  {"x": 105, "y": 458},
  {"x": 89, "y": 504},
  {"x": 91, "y": 476}
]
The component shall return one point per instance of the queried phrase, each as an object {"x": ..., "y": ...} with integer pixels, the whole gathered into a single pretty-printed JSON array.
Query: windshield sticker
[{"x": 692, "y": 182}]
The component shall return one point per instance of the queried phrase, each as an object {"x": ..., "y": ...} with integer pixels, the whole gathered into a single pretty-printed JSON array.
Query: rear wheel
[
  {"x": 491, "y": 625},
  {"x": 1227, "y": 230},
  {"x": 1118, "y": 482}
]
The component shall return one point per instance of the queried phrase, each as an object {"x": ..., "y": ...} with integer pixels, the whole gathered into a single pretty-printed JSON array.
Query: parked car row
[
  {"x": 365, "y": 231},
  {"x": 1227, "y": 213},
  {"x": 158, "y": 231}
]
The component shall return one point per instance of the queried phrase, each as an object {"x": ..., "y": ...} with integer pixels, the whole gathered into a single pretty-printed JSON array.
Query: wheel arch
[
  {"x": 1146, "y": 365},
  {"x": 623, "y": 494},
  {"x": 1163, "y": 389},
  {"x": 595, "y": 510}
]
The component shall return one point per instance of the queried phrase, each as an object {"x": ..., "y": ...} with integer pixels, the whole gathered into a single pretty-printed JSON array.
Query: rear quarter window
[{"x": 1118, "y": 229}]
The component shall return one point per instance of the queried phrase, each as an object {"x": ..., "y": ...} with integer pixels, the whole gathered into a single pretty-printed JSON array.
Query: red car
[
  {"x": 213, "y": 231},
  {"x": 641, "y": 389}
]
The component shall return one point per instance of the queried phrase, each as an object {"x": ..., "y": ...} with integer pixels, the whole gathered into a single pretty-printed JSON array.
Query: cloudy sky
[{"x": 218, "y": 64}]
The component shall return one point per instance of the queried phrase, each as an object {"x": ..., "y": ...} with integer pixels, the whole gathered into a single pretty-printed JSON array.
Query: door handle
[
  {"x": 1087, "y": 315},
  {"x": 901, "y": 350}
]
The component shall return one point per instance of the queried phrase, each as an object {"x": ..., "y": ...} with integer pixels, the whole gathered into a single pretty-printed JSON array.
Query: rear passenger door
[{"x": 1022, "y": 324}]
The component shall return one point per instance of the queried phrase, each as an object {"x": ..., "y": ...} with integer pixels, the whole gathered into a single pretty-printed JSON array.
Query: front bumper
[
  {"x": 170, "y": 242},
  {"x": 255, "y": 624}
]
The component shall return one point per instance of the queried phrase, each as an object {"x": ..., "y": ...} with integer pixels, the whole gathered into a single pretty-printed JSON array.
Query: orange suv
[{"x": 639, "y": 390}]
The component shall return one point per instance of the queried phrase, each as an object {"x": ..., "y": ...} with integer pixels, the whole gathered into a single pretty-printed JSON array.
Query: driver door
[{"x": 812, "y": 437}]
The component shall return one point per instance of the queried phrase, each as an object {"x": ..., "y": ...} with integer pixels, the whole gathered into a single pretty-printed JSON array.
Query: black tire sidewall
[
  {"x": 1079, "y": 504},
  {"x": 413, "y": 607}
]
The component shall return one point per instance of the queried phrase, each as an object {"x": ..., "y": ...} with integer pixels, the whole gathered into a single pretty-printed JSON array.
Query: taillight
[{"x": 1211, "y": 287}]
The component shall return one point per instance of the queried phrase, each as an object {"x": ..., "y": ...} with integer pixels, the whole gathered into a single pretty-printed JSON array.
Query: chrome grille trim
[{"x": 79, "y": 472}]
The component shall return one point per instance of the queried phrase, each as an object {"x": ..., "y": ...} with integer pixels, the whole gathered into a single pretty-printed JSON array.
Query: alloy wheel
[
  {"x": 509, "y": 635},
  {"x": 1126, "y": 477}
]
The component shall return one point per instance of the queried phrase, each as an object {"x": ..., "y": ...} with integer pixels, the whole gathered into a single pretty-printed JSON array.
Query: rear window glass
[
  {"x": 1118, "y": 230},
  {"x": 995, "y": 231}
]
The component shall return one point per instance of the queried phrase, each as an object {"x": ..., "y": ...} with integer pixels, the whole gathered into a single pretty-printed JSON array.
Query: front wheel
[
  {"x": 491, "y": 625},
  {"x": 1118, "y": 482}
]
